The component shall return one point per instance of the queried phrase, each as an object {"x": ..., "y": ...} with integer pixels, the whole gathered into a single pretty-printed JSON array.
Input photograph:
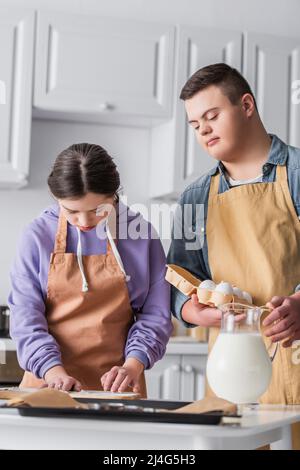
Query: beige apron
[
  {"x": 91, "y": 328},
  {"x": 253, "y": 237}
]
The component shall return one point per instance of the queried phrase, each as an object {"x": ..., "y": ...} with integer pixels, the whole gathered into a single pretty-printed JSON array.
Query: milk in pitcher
[{"x": 239, "y": 368}]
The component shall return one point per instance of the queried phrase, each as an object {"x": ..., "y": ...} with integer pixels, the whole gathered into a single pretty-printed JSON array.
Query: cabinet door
[
  {"x": 177, "y": 159},
  {"x": 272, "y": 67},
  {"x": 163, "y": 380},
  {"x": 193, "y": 377},
  {"x": 103, "y": 66},
  {"x": 16, "y": 70},
  {"x": 199, "y": 48}
]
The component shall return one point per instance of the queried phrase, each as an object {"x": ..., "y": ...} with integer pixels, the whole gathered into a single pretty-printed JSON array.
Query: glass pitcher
[{"x": 239, "y": 368}]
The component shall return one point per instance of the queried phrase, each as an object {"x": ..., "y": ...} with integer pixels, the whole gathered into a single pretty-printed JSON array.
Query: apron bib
[
  {"x": 253, "y": 237},
  {"x": 91, "y": 328}
]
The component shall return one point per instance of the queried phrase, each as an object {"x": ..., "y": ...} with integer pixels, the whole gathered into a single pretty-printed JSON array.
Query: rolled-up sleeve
[
  {"x": 186, "y": 251},
  {"x": 37, "y": 350}
]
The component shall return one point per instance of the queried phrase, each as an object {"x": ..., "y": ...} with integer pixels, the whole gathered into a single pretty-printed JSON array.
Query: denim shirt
[{"x": 191, "y": 224}]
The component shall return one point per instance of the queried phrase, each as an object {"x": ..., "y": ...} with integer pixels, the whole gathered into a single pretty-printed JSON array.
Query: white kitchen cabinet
[
  {"x": 176, "y": 158},
  {"x": 180, "y": 375},
  {"x": 272, "y": 65},
  {"x": 103, "y": 67},
  {"x": 16, "y": 70},
  {"x": 163, "y": 380},
  {"x": 193, "y": 372}
]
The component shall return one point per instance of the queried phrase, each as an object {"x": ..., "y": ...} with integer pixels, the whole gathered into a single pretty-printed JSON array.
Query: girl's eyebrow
[{"x": 72, "y": 210}]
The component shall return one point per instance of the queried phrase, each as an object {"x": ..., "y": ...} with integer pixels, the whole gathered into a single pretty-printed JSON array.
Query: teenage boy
[{"x": 250, "y": 229}]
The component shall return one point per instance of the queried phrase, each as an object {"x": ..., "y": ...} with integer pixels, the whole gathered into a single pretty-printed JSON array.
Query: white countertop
[
  {"x": 186, "y": 345},
  {"x": 7, "y": 344},
  {"x": 259, "y": 426}
]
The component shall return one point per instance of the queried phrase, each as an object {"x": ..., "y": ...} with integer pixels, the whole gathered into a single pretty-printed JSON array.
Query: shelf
[
  {"x": 186, "y": 345},
  {"x": 7, "y": 344}
]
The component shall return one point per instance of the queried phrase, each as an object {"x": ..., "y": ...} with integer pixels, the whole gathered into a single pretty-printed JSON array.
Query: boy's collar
[{"x": 277, "y": 155}]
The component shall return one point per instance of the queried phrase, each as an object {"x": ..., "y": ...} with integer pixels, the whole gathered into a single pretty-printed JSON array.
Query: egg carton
[{"x": 208, "y": 292}]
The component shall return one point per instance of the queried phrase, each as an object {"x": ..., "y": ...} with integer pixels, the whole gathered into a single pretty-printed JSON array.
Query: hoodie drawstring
[
  {"x": 116, "y": 253},
  {"x": 85, "y": 286}
]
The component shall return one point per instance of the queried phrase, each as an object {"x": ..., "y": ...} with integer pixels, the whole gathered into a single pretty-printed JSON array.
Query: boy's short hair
[{"x": 232, "y": 83}]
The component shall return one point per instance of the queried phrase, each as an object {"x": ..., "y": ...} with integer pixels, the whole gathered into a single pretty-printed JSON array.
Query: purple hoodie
[{"x": 143, "y": 260}]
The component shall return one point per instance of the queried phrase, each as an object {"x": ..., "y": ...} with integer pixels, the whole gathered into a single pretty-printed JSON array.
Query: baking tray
[{"x": 127, "y": 410}]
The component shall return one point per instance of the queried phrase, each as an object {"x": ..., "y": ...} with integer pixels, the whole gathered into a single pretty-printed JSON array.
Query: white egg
[
  {"x": 225, "y": 288},
  {"x": 208, "y": 284},
  {"x": 238, "y": 292},
  {"x": 247, "y": 297}
]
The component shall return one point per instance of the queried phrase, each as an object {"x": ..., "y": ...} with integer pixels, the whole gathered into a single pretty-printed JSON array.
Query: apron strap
[
  {"x": 109, "y": 250},
  {"x": 214, "y": 187},
  {"x": 110, "y": 238},
  {"x": 61, "y": 235},
  {"x": 281, "y": 176},
  {"x": 281, "y": 173},
  {"x": 112, "y": 250}
]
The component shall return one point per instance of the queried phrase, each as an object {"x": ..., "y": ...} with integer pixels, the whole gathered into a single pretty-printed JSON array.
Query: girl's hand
[
  {"x": 57, "y": 378},
  {"x": 119, "y": 379}
]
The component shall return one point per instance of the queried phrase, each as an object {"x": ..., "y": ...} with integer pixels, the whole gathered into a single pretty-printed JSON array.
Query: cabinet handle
[
  {"x": 188, "y": 369},
  {"x": 106, "y": 106},
  {"x": 175, "y": 368}
]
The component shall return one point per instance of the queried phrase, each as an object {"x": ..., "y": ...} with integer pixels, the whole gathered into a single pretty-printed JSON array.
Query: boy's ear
[{"x": 248, "y": 104}]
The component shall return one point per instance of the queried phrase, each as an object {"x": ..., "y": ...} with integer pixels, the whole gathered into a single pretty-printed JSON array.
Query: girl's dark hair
[
  {"x": 83, "y": 168},
  {"x": 232, "y": 83}
]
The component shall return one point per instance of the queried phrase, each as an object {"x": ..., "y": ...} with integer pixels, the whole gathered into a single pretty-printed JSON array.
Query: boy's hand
[
  {"x": 286, "y": 314},
  {"x": 200, "y": 314},
  {"x": 119, "y": 379}
]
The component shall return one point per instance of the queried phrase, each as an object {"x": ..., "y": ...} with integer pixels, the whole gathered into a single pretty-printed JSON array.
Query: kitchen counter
[
  {"x": 259, "y": 426},
  {"x": 7, "y": 344},
  {"x": 186, "y": 345}
]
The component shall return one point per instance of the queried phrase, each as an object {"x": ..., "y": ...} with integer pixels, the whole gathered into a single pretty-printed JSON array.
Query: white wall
[{"x": 129, "y": 146}]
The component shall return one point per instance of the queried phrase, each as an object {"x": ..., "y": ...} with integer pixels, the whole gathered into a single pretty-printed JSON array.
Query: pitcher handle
[
  {"x": 273, "y": 346},
  {"x": 272, "y": 356}
]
